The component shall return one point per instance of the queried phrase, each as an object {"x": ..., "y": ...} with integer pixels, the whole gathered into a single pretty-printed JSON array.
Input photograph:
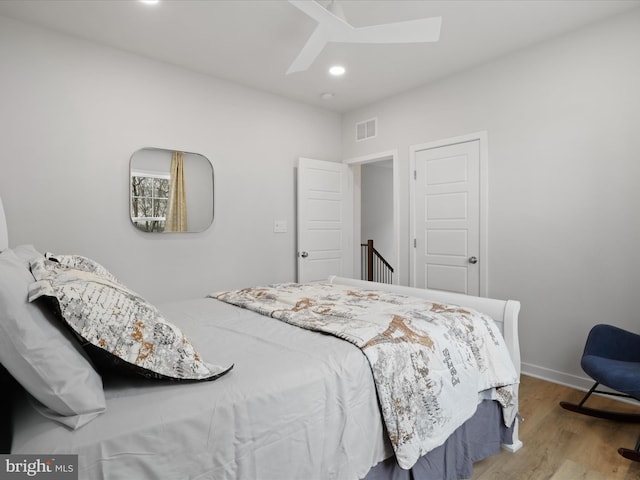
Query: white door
[
  {"x": 325, "y": 220},
  {"x": 447, "y": 218}
]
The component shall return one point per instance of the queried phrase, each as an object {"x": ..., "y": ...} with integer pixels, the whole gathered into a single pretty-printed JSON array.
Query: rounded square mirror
[{"x": 170, "y": 191}]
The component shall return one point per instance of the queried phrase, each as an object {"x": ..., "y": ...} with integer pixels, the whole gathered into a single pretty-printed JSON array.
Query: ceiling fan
[{"x": 333, "y": 27}]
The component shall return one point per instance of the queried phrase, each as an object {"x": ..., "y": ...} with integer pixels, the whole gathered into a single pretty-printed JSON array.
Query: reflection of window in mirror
[
  {"x": 153, "y": 185},
  {"x": 149, "y": 196}
]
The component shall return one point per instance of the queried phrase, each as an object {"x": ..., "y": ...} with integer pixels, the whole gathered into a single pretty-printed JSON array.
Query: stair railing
[{"x": 374, "y": 267}]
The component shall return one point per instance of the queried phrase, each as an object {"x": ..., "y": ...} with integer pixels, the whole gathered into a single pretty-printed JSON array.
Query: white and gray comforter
[{"x": 429, "y": 361}]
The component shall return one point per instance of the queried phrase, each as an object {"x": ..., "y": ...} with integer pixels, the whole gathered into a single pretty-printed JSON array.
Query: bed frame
[
  {"x": 504, "y": 312},
  {"x": 6, "y": 381},
  {"x": 4, "y": 236}
]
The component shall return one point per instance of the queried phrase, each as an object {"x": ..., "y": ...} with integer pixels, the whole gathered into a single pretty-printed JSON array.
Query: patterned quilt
[{"x": 429, "y": 361}]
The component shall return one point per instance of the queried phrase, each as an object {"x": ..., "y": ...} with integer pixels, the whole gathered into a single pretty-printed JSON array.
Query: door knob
[
  {"x": 473, "y": 260},
  {"x": 304, "y": 254}
]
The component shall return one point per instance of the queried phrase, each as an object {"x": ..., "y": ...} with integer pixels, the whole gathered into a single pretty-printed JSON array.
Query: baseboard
[
  {"x": 566, "y": 379},
  {"x": 561, "y": 378}
]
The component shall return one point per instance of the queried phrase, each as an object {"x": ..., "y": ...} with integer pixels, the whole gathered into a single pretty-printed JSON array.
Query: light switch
[{"x": 280, "y": 226}]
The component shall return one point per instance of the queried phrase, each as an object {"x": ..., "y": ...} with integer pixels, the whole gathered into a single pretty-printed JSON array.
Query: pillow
[
  {"x": 40, "y": 353},
  {"x": 27, "y": 253},
  {"x": 117, "y": 326}
]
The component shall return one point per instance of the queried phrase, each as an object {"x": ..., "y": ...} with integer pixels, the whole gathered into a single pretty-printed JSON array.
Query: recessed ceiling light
[
  {"x": 326, "y": 96},
  {"x": 150, "y": 2},
  {"x": 337, "y": 70}
]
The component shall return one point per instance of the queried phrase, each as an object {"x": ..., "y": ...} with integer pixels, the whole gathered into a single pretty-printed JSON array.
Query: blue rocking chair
[{"x": 612, "y": 358}]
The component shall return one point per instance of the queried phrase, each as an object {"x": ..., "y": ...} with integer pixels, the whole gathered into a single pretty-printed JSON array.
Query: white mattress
[{"x": 297, "y": 404}]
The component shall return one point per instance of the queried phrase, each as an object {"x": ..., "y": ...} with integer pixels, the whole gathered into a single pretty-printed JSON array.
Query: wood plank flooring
[{"x": 561, "y": 445}]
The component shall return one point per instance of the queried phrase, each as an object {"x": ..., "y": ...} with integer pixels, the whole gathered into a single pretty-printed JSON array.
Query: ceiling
[{"x": 253, "y": 42}]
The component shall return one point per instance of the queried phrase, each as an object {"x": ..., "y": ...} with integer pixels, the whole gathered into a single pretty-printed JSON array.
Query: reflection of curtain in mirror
[{"x": 177, "y": 205}]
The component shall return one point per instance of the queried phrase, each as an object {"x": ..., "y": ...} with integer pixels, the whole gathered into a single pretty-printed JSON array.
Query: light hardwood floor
[{"x": 561, "y": 445}]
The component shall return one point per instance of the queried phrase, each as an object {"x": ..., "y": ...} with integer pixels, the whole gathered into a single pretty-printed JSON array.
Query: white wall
[
  {"x": 377, "y": 208},
  {"x": 563, "y": 122},
  {"x": 71, "y": 115}
]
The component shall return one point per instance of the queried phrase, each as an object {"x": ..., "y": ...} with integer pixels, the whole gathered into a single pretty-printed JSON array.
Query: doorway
[{"x": 376, "y": 207}]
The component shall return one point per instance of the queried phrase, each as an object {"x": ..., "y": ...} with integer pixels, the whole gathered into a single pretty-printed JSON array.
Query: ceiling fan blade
[
  {"x": 333, "y": 28},
  {"x": 411, "y": 31},
  {"x": 310, "y": 51},
  {"x": 320, "y": 14}
]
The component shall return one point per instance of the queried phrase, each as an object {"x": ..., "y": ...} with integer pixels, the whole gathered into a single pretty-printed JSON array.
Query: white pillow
[{"x": 39, "y": 351}]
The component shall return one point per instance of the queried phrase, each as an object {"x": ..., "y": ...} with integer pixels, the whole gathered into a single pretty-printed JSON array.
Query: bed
[{"x": 296, "y": 404}]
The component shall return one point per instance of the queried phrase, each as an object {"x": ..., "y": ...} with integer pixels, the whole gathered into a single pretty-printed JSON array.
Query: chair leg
[
  {"x": 631, "y": 454},
  {"x": 591, "y": 390},
  {"x": 594, "y": 412},
  {"x": 627, "y": 453}
]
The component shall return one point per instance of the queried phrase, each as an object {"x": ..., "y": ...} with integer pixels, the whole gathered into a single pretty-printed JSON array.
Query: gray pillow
[
  {"x": 117, "y": 327},
  {"x": 40, "y": 353},
  {"x": 26, "y": 253}
]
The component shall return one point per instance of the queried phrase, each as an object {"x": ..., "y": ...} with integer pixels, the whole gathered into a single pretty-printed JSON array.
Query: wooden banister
[{"x": 374, "y": 266}]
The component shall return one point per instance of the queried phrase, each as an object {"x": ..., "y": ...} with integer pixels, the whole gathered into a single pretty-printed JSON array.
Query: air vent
[{"x": 366, "y": 129}]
